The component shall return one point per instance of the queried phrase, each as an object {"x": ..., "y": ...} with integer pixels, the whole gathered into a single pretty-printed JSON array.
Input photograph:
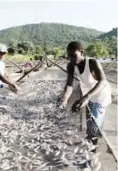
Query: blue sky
[{"x": 98, "y": 14}]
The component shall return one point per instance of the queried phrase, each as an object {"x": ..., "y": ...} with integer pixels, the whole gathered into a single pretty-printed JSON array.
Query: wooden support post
[
  {"x": 81, "y": 114},
  {"x": 51, "y": 64},
  {"x": 81, "y": 121},
  {"x": 62, "y": 68},
  {"x": 15, "y": 64},
  {"x": 37, "y": 65}
]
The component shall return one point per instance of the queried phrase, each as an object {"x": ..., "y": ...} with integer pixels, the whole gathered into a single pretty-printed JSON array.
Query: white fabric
[
  {"x": 87, "y": 82},
  {"x": 2, "y": 69},
  {"x": 3, "y": 48}
]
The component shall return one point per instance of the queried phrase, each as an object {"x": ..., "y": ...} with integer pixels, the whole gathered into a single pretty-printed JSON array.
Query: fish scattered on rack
[{"x": 36, "y": 136}]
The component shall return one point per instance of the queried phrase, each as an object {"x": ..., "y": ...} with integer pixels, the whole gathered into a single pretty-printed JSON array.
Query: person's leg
[
  {"x": 90, "y": 106},
  {"x": 90, "y": 125},
  {"x": 88, "y": 120},
  {"x": 98, "y": 111}
]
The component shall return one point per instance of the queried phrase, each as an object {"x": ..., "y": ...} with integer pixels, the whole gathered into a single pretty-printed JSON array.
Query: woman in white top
[
  {"x": 3, "y": 78},
  {"x": 95, "y": 88}
]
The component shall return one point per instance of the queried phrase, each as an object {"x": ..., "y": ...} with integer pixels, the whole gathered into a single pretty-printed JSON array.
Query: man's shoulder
[{"x": 93, "y": 62}]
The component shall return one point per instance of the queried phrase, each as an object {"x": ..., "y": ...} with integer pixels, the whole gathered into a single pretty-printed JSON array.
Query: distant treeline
[
  {"x": 96, "y": 48},
  {"x": 51, "y": 38}
]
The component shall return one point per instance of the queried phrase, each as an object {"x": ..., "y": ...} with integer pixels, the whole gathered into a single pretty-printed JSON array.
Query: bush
[
  {"x": 96, "y": 49},
  {"x": 38, "y": 57},
  {"x": 11, "y": 51},
  {"x": 20, "y": 51}
]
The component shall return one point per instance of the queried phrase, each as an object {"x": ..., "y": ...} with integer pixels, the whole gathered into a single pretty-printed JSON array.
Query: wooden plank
[
  {"x": 62, "y": 68},
  {"x": 51, "y": 64},
  {"x": 15, "y": 64},
  {"x": 37, "y": 65}
]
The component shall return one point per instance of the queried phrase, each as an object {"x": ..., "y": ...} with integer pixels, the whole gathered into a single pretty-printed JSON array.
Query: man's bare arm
[
  {"x": 69, "y": 84},
  {"x": 100, "y": 77},
  {"x": 5, "y": 80},
  {"x": 6, "y": 74}
]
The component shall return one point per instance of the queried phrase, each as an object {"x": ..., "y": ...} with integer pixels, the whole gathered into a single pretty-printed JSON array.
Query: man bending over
[{"x": 95, "y": 88}]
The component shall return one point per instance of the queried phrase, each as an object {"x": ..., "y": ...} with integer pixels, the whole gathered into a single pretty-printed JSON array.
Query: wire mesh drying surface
[{"x": 37, "y": 136}]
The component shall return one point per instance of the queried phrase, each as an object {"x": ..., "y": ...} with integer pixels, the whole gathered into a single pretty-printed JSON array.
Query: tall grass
[{"x": 19, "y": 58}]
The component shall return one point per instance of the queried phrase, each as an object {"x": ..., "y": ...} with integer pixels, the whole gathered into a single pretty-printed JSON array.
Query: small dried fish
[
  {"x": 76, "y": 150},
  {"x": 36, "y": 136}
]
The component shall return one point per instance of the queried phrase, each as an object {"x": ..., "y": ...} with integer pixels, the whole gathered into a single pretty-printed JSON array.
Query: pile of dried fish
[{"x": 37, "y": 136}]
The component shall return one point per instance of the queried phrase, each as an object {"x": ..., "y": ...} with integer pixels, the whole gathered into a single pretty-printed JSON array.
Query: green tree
[
  {"x": 20, "y": 51},
  {"x": 25, "y": 47},
  {"x": 96, "y": 50},
  {"x": 11, "y": 51},
  {"x": 39, "y": 50},
  {"x": 13, "y": 44},
  {"x": 53, "y": 34},
  {"x": 56, "y": 52},
  {"x": 112, "y": 46},
  {"x": 12, "y": 47},
  {"x": 90, "y": 50}
]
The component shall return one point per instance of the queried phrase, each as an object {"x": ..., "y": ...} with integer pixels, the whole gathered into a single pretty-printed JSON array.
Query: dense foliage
[
  {"x": 45, "y": 38},
  {"x": 109, "y": 34},
  {"x": 51, "y": 34},
  {"x": 96, "y": 50},
  {"x": 102, "y": 47}
]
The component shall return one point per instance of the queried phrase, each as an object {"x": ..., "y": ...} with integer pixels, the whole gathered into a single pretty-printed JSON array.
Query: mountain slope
[
  {"x": 109, "y": 34},
  {"x": 50, "y": 33}
]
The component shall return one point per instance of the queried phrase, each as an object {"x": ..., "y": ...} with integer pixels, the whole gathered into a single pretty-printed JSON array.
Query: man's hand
[
  {"x": 14, "y": 88},
  {"x": 63, "y": 104},
  {"x": 59, "y": 98},
  {"x": 80, "y": 103}
]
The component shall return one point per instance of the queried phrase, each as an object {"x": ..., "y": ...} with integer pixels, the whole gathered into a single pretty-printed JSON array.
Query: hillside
[
  {"x": 109, "y": 34},
  {"x": 51, "y": 33}
]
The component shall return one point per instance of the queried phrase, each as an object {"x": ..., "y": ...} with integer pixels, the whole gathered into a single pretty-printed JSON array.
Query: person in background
[
  {"x": 3, "y": 77},
  {"x": 27, "y": 66},
  {"x": 93, "y": 83}
]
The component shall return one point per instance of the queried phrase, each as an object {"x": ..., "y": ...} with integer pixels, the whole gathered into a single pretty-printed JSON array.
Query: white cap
[{"x": 3, "y": 48}]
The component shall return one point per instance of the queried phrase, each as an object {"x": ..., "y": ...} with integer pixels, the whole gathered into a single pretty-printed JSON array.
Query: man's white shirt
[{"x": 2, "y": 69}]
